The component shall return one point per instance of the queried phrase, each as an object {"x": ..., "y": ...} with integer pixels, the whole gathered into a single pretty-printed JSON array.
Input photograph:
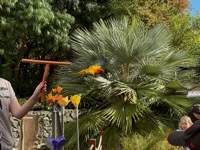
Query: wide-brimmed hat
[{"x": 189, "y": 137}]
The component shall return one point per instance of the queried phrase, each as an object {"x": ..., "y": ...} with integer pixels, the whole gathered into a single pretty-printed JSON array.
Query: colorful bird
[{"x": 92, "y": 70}]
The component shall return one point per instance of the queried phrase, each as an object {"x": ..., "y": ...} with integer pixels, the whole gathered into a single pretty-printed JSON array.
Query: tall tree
[
  {"x": 87, "y": 11},
  {"x": 151, "y": 12},
  {"x": 138, "y": 89},
  {"x": 32, "y": 29}
]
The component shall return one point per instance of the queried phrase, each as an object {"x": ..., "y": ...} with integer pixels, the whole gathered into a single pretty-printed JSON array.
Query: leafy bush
[
  {"x": 146, "y": 142},
  {"x": 22, "y": 100}
]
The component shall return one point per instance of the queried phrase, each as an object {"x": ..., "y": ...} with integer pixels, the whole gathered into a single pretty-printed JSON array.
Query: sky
[{"x": 195, "y": 5}]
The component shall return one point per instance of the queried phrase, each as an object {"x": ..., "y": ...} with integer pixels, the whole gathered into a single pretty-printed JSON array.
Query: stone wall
[{"x": 44, "y": 127}]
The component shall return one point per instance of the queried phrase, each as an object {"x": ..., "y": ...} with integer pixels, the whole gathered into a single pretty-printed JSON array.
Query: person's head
[
  {"x": 196, "y": 111},
  {"x": 185, "y": 122}
]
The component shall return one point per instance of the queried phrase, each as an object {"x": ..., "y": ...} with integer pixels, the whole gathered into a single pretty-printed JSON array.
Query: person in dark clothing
[
  {"x": 189, "y": 137},
  {"x": 194, "y": 114}
]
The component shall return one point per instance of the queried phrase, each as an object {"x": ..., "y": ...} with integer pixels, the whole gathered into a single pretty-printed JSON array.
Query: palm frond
[{"x": 137, "y": 87}]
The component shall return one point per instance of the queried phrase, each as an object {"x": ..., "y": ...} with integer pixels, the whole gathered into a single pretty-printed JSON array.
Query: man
[
  {"x": 9, "y": 106},
  {"x": 194, "y": 114},
  {"x": 189, "y": 138}
]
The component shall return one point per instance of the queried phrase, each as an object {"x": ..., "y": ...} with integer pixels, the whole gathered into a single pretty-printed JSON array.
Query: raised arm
[{"x": 19, "y": 111}]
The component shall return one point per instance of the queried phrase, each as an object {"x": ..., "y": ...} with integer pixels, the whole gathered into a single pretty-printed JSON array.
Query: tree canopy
[{"x": 32, "y": 29}]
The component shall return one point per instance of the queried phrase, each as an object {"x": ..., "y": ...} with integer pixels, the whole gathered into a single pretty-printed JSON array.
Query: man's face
[{"x": 196, "y": 115}]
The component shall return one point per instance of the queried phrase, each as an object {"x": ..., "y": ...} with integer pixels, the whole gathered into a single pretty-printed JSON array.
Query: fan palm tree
[{"x": 137, "y": 87}]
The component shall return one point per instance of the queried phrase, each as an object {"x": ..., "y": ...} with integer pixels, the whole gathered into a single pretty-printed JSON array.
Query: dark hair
[{"x": 196, "y": 109}]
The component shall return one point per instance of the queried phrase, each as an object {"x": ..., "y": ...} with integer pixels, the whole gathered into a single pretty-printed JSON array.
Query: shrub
[{"x": 146, "y": 142}]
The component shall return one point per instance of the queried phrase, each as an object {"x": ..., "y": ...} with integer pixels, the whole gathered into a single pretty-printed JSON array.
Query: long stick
[
  {"x": 62, "y": 122},
  {"x": 77, "y": 131},
  {"x": 54, "y": 122},
  {"x": 45, "y": 62}
]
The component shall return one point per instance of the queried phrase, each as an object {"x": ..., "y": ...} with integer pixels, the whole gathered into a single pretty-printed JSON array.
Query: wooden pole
[
  {"x": 46, "y": 70},
  {"x": 45, "y": 62},
  {"x": 77, "y": 131},
  {"x": 54, "y": 122},
  {"x": 62, "y": 123},
  {"x": 45, "y": 75}
]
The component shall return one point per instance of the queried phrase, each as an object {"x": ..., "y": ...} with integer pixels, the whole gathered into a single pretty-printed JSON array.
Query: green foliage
[
  {"x": 141, "y": 84},
  {"x": 41, "y": 25},
  {"x": 88, "y": 11},
  {"x": 89, "y": 123},
  {"x": 36, "y": 20},
  {"x": 186, "y": 37},
  {"x": 22, "y": 100},
  {"x": 151, "y": 12},
  {"x": 146, "y": 141},
  {"x": 186, "y": 31},
  {"x": 31, "y": 29},
  {"x": 136, "y": 91}
]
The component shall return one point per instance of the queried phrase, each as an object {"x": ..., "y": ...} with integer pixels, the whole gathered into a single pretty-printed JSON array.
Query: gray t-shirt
[{"x": 6, "y": 96}]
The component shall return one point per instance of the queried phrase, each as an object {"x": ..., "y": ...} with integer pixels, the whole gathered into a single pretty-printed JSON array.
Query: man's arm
[{"x": 19, "y": 111}]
